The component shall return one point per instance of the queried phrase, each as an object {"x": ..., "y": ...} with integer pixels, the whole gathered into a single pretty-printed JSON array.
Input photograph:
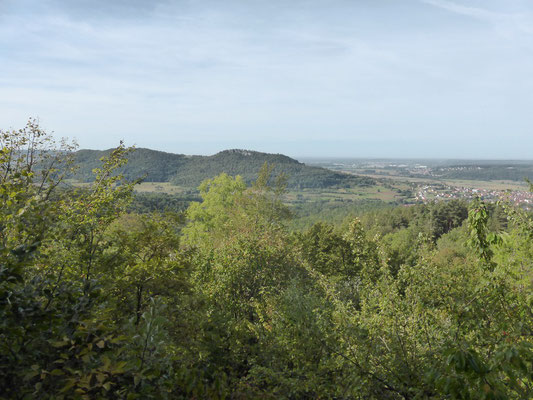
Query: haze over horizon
[
  {"x": 372, "y": 79},
  {"x": 326, "y": 157}
]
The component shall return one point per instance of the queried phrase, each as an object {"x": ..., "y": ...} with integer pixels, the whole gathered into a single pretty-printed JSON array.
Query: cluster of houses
[{"x": 426, "y": 193}]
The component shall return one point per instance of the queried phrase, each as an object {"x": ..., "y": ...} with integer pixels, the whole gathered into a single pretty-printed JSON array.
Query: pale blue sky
[{"x": 360, "y": 78}]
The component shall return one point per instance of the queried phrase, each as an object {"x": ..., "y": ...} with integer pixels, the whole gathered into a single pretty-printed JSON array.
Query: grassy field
[
  {"x": 144, "y": 187},
  {"x": 474, "y": 184},
  {"x": 384, "y": 192},
  {"x": 488, "y": 185},
  {"x": 160, "y": 187}
]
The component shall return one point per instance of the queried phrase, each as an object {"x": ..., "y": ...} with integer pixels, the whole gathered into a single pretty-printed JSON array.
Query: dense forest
[
  {"x": 190, "y": 171},
  {"x": 99, "y": 300}
]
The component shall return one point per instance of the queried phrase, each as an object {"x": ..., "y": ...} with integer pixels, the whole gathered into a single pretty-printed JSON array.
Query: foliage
[
  {"x": 146, "y": 203},
  {"x": 224, "y": 301},
  {"x": 190, "y": 171}
]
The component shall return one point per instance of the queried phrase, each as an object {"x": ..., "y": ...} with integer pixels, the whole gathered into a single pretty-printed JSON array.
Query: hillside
[
  {"x": 156, "y": 166},
  {"x": 190, "y": 171}
]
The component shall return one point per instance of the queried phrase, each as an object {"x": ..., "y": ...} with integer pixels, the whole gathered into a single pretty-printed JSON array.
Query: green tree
[
  {"x": 55, "y": 340},
  {"x": 147, "y": 261}
]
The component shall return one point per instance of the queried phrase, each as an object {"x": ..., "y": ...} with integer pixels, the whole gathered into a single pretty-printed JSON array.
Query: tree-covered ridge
[
  {"x": 151, "y": 165},
  {"x": 190, "y": 171},
  {"x": 225, "y": 302}
]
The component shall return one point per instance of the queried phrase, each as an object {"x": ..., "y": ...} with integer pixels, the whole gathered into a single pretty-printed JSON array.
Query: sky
[{"x": 331, "y": 78}]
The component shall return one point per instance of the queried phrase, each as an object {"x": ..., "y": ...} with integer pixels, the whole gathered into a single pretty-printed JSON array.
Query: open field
[
  {"x": 145, "y": 187},
  {"x": 159, "y": 187},
  {"x": 488, "y": 185},
  {"x": 474, "y": 184},
  {"x": 387, "y": 193}
]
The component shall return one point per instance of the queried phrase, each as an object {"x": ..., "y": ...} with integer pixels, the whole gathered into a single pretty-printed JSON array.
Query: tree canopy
[{"x": 225, "y": 301}]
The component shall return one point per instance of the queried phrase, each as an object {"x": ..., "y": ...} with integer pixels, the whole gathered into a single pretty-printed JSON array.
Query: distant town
[
  {"x": 433, "y": 192},
  {"x": 434, "y": 180}
]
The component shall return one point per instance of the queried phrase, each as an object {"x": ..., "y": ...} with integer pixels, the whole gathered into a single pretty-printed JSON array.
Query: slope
[{"x": 190, "y": 171}]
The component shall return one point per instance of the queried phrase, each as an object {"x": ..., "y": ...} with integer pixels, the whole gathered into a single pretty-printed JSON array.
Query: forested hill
[
  {"x": 157, "y": 166},
  {"x": 190, "y": 171}
]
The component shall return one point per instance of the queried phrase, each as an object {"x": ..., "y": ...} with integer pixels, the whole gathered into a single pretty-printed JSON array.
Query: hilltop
[{"x": 190, "y": 171}]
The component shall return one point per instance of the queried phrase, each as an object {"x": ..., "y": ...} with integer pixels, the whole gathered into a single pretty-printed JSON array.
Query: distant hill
[
  {"x": 157, "y": 166},
  {"x": 190, "y": 171}
]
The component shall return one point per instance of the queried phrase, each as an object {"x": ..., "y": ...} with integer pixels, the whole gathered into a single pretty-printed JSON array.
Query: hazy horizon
[
  {"x": 326, "y": 157},
  {"x": 416, "y": 79}
]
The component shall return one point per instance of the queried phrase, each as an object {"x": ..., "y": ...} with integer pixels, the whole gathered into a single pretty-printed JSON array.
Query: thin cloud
[
  {"x": 210, "y": 72},
  {"x": 506, "y": 22}
]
